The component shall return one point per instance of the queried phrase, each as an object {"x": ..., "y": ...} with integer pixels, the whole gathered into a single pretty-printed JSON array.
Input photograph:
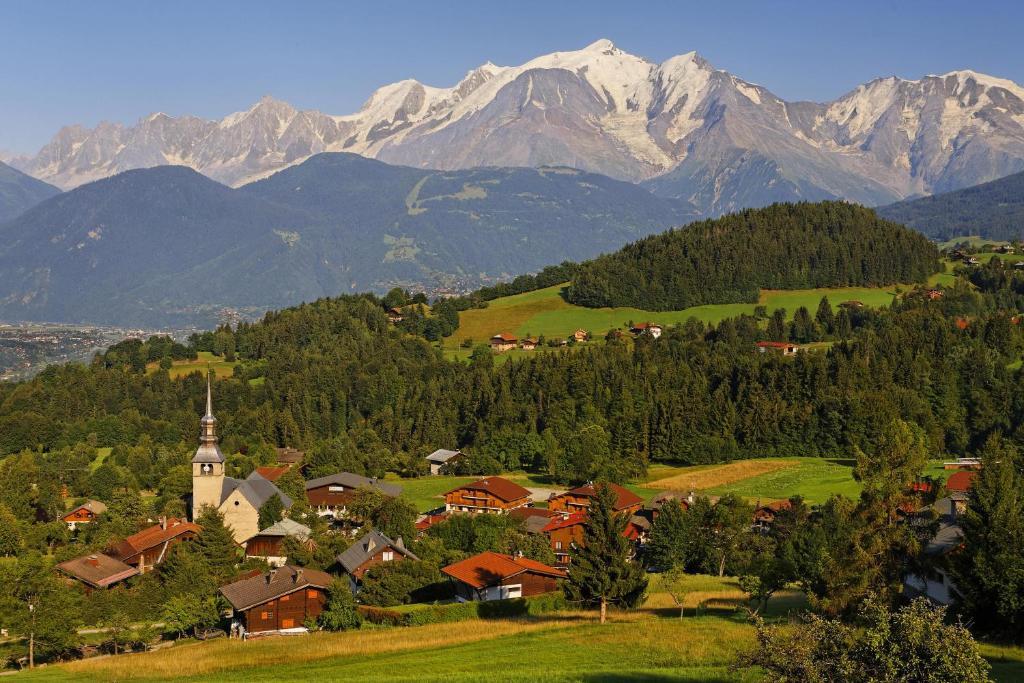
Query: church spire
[
  {"x": 208, "y": 450},
  {"x": 209, "y": 396}
]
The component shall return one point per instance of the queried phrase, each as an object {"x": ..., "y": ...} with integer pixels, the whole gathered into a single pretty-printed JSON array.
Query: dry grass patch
[
  {"x": 706, "y": 477},
  {"x": 209, "y": 658}
]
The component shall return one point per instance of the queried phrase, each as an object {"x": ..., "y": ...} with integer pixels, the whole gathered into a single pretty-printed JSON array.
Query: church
[{"x": 238, "y": 500}]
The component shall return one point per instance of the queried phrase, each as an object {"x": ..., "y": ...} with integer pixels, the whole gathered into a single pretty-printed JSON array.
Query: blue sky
[{"x": 83, "y": 62}]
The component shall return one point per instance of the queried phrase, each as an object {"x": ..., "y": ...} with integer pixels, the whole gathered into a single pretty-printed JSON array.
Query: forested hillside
[
  {"x": 993, "y": 210},
  {"x": 730, "y": 259}
]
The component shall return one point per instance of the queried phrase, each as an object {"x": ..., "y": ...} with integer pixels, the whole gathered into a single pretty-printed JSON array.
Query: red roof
[
  {"x": 565, "y": 522},
  {"x": 154, "y": 536},
  {"x": 430, "y": 520},
  {"x": 961, "y": 481},
  {"x": 490, "y": 569},
  {"x": 624, "y": 498},
  {"x": 272, "y": 473},
  {"x": 505, "y": 337},
  {"x": 499, "y": 487},
  {"x": 774, "y": 345}
]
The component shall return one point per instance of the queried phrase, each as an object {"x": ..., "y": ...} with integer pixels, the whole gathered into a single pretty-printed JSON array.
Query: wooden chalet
[
  {"x": 97, "y": 570},
  {"x": 395, "y": 316},
  {"x": 149, "y": 547},
  {"x": 281, "y": 600},
  {"x": 493, "y": 576},
  {"x": 934, "y": 294},
  {"x": 648, "y": 328},
  {"x": 369, "y": 551},
  {"x": 783, "y": 348},
  {"x": 330, "y": 495},
  {"x": 961, "y": 481},
  {"x": 442, "y": 460},
  {"x": 86, "y": 513},
  {"x": 1006, "y": 249},
  {"x": 529, "y": 344},
  {"x": 764, "y": 515},
  {"x": 504, "y": 342},
  {"x": 268, "y": 544},
  {"x": 490, "y": 494},
  {"x": 565, "y": 533},
  {"x": 578, "y": 499},
  {"x": 426, "y": 521}
]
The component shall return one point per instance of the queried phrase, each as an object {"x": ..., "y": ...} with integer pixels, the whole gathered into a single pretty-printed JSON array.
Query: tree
[
  {"x": 666, "y": 548},
  {"x": 777, "y": 325},
  {"x": 601, "y": 572},
  {"x": 10, "y": 532},
  {"x": 912, "y": 644},
  {"x": 824, "y": 316},
  {"x": 271, "y": 512},
  {"x": 340, "y": 613},
  {"x": 395, "y": 517},
  {"x": 675, "y": 583},
  {"x": 216, "y": 544},
  {"x": 730, "y": 522},
  {"x": 989, "y": 569},
  {"x": 184, "y": 612},
  {"x": 39, "y": 607}
]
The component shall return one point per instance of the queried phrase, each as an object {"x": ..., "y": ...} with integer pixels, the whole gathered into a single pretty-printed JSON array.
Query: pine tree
[
  {"x": 601, "y": 571},
  {"x": 777, "y": 325},
  {"x": 216, "y": 544},
  {"x": 824, "y": 317}
]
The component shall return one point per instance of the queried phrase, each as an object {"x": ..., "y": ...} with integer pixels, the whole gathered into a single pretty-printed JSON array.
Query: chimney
[
  {"x": 93, "y": 561},
  {"x": 689, "y": 498},
  {"x": 270, "y": 576},
  {"x": 163, "y": 523},
  {"x": 298, "y": 575},
  {"x": 399, "y": 543}
]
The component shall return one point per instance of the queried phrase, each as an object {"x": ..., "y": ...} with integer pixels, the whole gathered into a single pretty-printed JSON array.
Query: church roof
[{"x": 254, "y": 489}]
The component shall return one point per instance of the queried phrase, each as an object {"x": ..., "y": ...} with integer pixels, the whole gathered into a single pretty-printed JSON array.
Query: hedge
[{"x": 463, "y": 611}]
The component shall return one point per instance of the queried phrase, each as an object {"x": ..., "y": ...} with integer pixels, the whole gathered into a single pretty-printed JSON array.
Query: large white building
[{"x": 238, "y": 500}]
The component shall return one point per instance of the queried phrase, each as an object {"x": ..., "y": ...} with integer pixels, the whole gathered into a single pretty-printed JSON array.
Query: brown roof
[
  {"x": 489, "y": 569},
  {"x": 505, "y": 337},
  {"x": 272, "y": 473},
  {"x": 98, "y": 571},
  {"x": 527, "y": 512},
  {"x": 290, "y": 455},
  {"x": 93, "y": 506},
  {"x": 499, "y": 487},
  {"x": 624, "y": 498},
  {"x": 262, "y": 588},
  {"x": 154, "y": 536},
  {"x": 961, "y": 481}
]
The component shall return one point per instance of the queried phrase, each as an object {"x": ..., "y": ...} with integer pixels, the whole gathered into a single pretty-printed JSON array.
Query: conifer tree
[
  {"x": 824, "y": 317},
  {"x": 216, "y": 544},
  {"x": 601, "y": 572}
]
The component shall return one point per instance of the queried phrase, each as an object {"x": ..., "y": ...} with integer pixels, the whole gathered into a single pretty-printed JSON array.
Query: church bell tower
[{"x": 208, "y": 462}]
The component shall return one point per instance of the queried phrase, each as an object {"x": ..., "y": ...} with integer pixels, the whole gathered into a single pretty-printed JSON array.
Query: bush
[{"x": 465, "y": 611}]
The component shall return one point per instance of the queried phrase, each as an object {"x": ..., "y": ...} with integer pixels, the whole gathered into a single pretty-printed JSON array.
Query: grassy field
[
  {"x": 544, "y": 312},
  {"x": 221, "y": 368},
  {"x": 101, "y": 455},
  {"x": 649, "y": 644}
]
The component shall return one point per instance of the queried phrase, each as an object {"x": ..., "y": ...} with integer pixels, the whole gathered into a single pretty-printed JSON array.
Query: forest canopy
[{"x": 730, "y": 259}]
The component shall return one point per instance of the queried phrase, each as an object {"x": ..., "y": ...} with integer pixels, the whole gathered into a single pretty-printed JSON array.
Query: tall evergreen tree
[
  {"x": 777, "y": 325},
  {"x": 216, "y": 544},
  {"x": 601, "y": 572},
  {"x": 824, "y": 316}
]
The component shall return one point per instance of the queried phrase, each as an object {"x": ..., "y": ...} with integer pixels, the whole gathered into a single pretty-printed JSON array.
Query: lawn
[
  {"x": 544, "y": 312},
  {"x": 101, "y": 455},
  {"x": 181, "y": 368},
  {"x": 426, "y": 493}
]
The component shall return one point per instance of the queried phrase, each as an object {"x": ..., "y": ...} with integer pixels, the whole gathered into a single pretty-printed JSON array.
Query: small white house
[{"x": 441, "y": 459}]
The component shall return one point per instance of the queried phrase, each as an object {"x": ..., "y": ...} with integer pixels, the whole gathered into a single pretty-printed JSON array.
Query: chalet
[
  {"x": 268, "y": 545},
  {"x": 784, "y": 348},
  {"x": 442, "y": 459},
  {"x": 659, "y": 500},
  {"x": 239, "y": 501},
  {"x": 972, "y": 261},
  {"x": 394, "y": 315},
  {"x": 503, "y": 342},
  {"x": 534, "y": 519},
  {"x": 149, "y": 547},
  {"x": 493, "y": 576},
  {"x": 935, "y": 582},
  {"x": 85, "y": 513},
  {"x": 281, "y": 600},
  {"x": 637, "y": 529},
  {"x": 427, "y": 521},
  {"x": 764, "y": 515},
  {"x": 962, "y": 481},
  {"x": 369, "y": 551},
  {"x": 651, "y": 329},
  {"x": 97, "y": 571},
  {"x": 330, "y": 495},
  {"x": 1005, "y": 249},
  {"x": 580, "y": 335},
  {"x": 490, "y": 494},
  {"x": 565, "y": 533},
  {"x": 290, "y": 456},
  {"x": 578, "y": 499},
  {"x": 273, "y": 473},
  {"x": 528, "y": 344}
]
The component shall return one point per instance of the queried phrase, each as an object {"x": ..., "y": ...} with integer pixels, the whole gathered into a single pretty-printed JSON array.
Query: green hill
[{"x": 731, "y": 259}]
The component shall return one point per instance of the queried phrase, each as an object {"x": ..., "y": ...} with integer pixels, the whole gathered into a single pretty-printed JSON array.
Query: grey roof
[
  {"x": 255, "y": 489},
  {"x": 355, "y": 481},
  {"x": 288, "y": 527},
  {"x": 208, "y": 453},
  {"x": 535, "y": 524},
  {"x": 262, "y": 588},
  {"x": 362, "y": 550},
  {"x": 442, "y": 455}
]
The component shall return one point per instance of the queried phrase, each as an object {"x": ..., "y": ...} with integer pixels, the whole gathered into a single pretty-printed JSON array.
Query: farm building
[
  {"x": 578, "y": 499},
  {"x": 97, "y": 570},
  {"x": 441, "y": 459},
  {"x": 268, "y": 544},
  {"x": 490, "y": 494},
  {"x": 784, "y": 348},
  {"x": 280, "y": 600},
  {"x": 149, "y": 547},
  {"x": 580, "y": 335},
  {"x": 503, "y": 342},
  {"x": 85, "y": 513},
  {"x": 528, "y": 344},
  {"x": 764, "y": 515},
  {"x": 369, "y": 551},
  {"x": 651, "y": 329},
  {"x": 330, "y": 495},
  {"x": 493, "y": 576}
]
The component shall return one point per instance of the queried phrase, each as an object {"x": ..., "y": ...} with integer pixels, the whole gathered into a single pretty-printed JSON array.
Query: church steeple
[
  {"x": 208, "y": 462},
  {"x": 208, "y": 451}
]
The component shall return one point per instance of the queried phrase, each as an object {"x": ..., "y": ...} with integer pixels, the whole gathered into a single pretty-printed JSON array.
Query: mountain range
[
  {"x": 682, "y": 127},
  {"x": 167, "y": 246},
  {"x": 994, "y": 210}
]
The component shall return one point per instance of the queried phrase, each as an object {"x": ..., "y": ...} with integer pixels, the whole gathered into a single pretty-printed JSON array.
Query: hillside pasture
[{"x": 205, "y": 360}]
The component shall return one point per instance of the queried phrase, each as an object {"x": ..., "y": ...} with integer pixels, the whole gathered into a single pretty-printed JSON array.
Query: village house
[
  {"x": 86, "y": 513},
  {"x": 1019, "y": 265},
  {"x": 426, "y": 521},
  {"x": 273, "y": 472},
  {"x": 490, "y": 494},
  {"x": 578, "y": 499},
  {"x": 97, "y": 570},
  {"x": 442, "y": 459},
  {"x": 369, "y": 551},
  {"x": 784, "y": 348},
  {"x": 971, "y": 261},
  {"x": 658, "y": 501},
  {"x": 268, "y": 544},
  {"x": 503, "y": 342},
  {"x": 331, "y": 495},
  {"x": 962, "y": 463},
  {"x": 281, "y": 600},
  {"x": 290, "y": 456},
  {"x": 580, "y": 335},
  {"x": 565, "y": 533},
  {"x": 651, "y": 329},
  {"x": 238, "y": 501},
  {"x": 1005, "y": 249},
  {"x": 493, "y": 576},
  {"x": 764, "y": 515},
  {"x": 534, "y": 519},
  {"x": 934, "y": 294},
  {"x": 149, "y": 547},
  {"x": 528, "y": 344},
  {"x": 394, "y": 315},
  {"x": 935, "y": 583}
]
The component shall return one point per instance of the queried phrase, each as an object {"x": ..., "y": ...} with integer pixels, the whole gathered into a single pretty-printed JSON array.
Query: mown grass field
[
  {"x": 650, "y": 644},
  {"x": 544, "y": 312},
  {"x": 181, "y": 368}
]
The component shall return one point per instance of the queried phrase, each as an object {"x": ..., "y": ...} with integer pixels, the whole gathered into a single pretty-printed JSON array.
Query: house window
[
  {"x": 269, "y": 614},
  {"x": 558, "y": 545},
  {"x": 311, "y": 594},
  {"x": 336, "y": 489},
  {"x": 389, "y": 555}
]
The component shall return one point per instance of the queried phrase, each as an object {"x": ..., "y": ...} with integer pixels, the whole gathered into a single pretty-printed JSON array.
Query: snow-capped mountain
[{"x": 686, "y": 129}]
